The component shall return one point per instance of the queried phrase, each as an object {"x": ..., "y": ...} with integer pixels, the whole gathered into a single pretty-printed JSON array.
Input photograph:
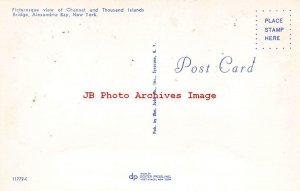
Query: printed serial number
[{"x": 19, "y": 178}]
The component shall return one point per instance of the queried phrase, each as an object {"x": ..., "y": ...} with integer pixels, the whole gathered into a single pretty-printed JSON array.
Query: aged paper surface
[{"x": 149, "y": 95}]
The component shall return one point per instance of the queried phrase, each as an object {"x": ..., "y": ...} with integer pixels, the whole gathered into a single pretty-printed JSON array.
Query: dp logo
[{"x": 133, "y": 176}]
